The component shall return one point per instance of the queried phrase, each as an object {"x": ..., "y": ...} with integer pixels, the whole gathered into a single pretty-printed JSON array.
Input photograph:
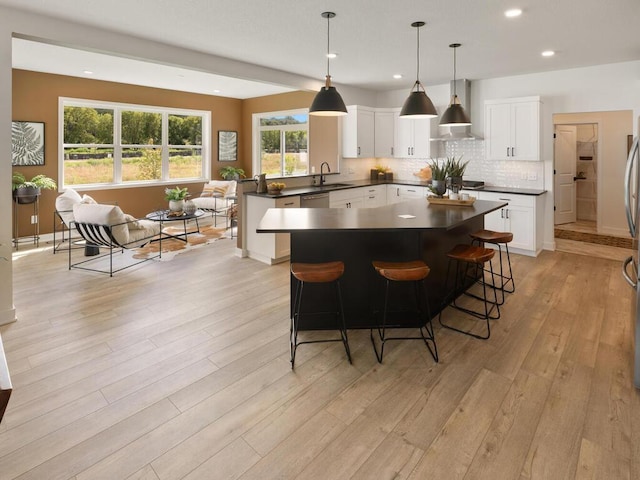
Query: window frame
[
  {"x": 257, "y": 138},
  {"x": 118, "y": 147}
]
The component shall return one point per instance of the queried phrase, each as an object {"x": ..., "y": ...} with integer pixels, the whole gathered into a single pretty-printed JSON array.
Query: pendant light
[
  {"x": 328, "y": 101},
  {"x": 417, "y": 104},
  {"x": 455, "y": 114}
]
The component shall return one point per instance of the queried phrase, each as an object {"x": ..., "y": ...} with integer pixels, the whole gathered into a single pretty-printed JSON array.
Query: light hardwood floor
[{"x": 180, "y": 369}]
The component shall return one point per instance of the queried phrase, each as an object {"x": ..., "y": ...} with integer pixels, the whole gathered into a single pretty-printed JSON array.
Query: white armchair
[
  {"x": 217, "y": 197},
  {"x": 107, "y": 226}
]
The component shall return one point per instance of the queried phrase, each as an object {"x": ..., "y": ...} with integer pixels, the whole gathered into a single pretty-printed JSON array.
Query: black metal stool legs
[
  {"x": 489, "y": 306},
  {"x": 423, "y": 323},
  {"x": 295, "y": 319},
  {"x": 505, "y": 280}
]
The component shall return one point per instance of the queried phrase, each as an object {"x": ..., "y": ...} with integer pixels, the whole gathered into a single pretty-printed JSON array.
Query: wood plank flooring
[{"x": 179, "y": 370}]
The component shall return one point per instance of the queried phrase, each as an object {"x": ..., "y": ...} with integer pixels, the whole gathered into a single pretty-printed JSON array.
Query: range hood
[{"x": 463, "y": 90}]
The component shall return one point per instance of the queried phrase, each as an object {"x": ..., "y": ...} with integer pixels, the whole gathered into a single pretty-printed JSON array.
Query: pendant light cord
[
  {"x": 418, "y": 56},
  {"x": 454, "y": 73},
  {"x": 328, "y": 46}
]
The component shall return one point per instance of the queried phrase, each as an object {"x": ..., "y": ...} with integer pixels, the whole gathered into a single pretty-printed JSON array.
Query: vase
[
  {"x": 176, "y": 205},
  {"x": 26, "y": 195},
  {"x": 189, "y": 207},
  {"x": 439, "y": 186}
]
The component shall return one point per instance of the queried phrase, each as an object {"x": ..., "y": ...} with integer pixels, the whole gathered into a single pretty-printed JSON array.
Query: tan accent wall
[
  {"x": 35, "y": 98},
  {"x": 269, "y": 103}
]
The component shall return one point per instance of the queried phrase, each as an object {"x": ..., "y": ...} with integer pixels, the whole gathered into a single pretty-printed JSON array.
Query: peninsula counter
[{"x": 399, "y": 232}]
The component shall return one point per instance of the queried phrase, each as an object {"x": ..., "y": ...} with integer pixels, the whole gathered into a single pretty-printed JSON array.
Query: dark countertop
[
  {"x": 425, "y": 217},
  {"x": 289, "y": 192}
]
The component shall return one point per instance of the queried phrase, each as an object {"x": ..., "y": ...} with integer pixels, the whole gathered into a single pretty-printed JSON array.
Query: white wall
[{"x": 7, "y": 311}]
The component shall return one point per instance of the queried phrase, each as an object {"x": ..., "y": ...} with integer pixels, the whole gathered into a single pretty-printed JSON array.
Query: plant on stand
[
  {"x": 27, "y": 191},
  {"x": 176, "y": 198},
  {"x": 231, "y": 173}
]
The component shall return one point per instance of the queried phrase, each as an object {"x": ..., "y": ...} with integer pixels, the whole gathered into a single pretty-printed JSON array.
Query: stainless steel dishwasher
[{"x": 315, "y": 200}]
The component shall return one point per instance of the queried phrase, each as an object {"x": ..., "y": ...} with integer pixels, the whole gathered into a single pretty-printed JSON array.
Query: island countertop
[{"x": 411, "y": 215}]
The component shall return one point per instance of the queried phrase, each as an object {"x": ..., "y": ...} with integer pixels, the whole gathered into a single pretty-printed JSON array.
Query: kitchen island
[{"x": 399, "y": 232}]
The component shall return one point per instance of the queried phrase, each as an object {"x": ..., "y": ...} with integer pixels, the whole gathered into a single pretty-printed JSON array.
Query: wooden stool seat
[
  {"x": 317, "y": 272},
  {"x": 490, "y": 236},
  {"x": 471, "y": 254},
  {"x": 402, "y": 271}
]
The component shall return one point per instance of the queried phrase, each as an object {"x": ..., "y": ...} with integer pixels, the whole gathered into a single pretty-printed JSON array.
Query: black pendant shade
[
  {"x": 328, "y": 102},
  {"x": 418, "y": 105},
  {"x": 455, "y": 114}
]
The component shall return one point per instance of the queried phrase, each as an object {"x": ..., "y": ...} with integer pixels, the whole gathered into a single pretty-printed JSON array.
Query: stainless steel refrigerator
[{"x": 630, "y": 268}]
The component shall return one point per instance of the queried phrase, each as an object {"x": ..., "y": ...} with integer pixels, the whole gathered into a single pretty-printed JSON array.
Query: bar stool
[
  {"x": 401, "y": 272},
  {"x": 317, "y": 273},
  {"x": 474, "y": 258},
  {"x": 498, "y": 238}
]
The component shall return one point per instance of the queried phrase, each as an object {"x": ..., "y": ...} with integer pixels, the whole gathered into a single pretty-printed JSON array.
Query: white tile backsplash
[{"x": 503, "y": 173}]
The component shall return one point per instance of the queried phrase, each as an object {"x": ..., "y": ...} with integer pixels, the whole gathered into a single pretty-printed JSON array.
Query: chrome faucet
[{"x": 322, "y": 172}]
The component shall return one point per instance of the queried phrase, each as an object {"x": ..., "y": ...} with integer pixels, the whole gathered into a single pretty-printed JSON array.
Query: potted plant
[
  {"x": 455, "y": 169},
  {"x": 438, "y": 177},
  {"x": 231, "y": 173},
  {"x": 27, "y": 191},
  {"x": 176, "y": 198}
]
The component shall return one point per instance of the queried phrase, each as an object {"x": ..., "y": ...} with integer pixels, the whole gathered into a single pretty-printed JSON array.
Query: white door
[{"x": 564, "y": 157}]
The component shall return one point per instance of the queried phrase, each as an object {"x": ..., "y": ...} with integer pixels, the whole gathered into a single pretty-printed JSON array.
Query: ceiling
[{"x": 373, "y": 39}]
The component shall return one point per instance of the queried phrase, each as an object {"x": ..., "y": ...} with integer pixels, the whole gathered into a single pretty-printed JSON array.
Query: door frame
[{"x": 599, "y": 156}]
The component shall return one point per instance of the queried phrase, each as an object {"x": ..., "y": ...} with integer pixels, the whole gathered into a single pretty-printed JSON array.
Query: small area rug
[
  {"x": 593, "y": 238},
  {"x": 172, "y": 247}
]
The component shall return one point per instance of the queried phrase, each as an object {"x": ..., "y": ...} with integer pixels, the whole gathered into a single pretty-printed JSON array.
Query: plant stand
[{"x": 34, "y": 238}]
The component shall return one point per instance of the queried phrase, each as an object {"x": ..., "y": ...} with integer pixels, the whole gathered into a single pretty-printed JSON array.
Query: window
[
  {"x": 281, "y": 143},
  {"x": 118, "y": 144}
]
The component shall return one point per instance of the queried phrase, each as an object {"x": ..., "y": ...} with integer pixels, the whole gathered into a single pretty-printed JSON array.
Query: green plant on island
[
  {"x": 438, "y": 171},
  {"x": 176, "y": 193},
  {"x": 455, "y": 167},
  {"x": 381, "y": 169},
  {"x": 41, "y": 181},
  {"x": 231, "y": 173}
]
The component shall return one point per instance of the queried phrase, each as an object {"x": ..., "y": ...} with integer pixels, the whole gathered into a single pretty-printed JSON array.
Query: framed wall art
[
  {"x": 227, "y": 146},
  {"x": 27, "y": 143}
]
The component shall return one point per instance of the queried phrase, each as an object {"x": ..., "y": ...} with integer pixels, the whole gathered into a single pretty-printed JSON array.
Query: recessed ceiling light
[
  {"x": 513, "y": 12},
  {"x": 397, "y": 76},
  {"x": 216, "y": 91},
  {"x": 88, "y": 72},
  {"x": 548, "y": 53},
  {"x": 332, "y": 55}
]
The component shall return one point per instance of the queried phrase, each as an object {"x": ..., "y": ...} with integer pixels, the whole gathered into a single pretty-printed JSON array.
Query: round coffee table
[{"x": 165, "y": 216}]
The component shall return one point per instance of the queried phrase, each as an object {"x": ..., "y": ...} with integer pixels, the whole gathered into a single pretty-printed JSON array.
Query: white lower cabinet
[
  {"x": 374, "y": 196},
  {"x": 364, "y": 197},
  {"x": 402, "y": 193},
  {"x": 349, "y": 198},
  {"x": 269, "y": 248},
  {"x": 522, "y": 217}
]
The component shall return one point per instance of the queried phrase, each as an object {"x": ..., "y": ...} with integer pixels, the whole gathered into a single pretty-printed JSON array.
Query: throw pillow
[
  {"x": 65, "y": 203},
  {"x": 99, "y": 214},
  {"x": 87, "y": 199},
  {"x": 214, "y": 189},
  {"x": 132, "y": 222}
]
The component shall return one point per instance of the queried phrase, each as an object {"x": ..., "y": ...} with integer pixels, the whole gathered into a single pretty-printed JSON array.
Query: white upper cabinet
[
  {"x": 358, "y": 128},
  {"x": 412, "y": 137},
  {"x": 512, "y": 129},
  {"x": 385, "y": 132}
]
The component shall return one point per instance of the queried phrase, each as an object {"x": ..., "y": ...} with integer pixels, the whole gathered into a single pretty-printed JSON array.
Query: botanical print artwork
[
  {"x": 27, "y": 143},
  {"x": 227, "y": 146}
]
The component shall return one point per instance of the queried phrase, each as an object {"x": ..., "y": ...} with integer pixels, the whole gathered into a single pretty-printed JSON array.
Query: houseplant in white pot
[
  {"x": 27, "y": 191},
  {"x": 176, "y": 198}
]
